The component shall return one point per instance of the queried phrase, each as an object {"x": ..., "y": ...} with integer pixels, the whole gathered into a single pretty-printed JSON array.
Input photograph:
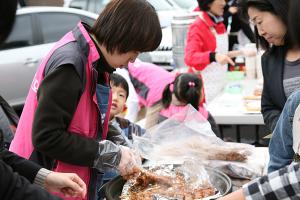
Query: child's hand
[{"x": 69, "y": 184}]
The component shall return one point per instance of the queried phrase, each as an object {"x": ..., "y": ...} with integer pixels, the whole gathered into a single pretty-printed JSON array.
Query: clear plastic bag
[{"x": 184, "y": 136}]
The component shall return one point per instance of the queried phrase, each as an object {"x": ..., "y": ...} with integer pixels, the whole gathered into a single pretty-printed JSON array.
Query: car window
[
  {"x": 79, "y": 4},
  {"x": 56, "y": 25},
  {"x": 21, "y": 35},
  {"x": 161, "y": 5},
  {"x": 88, "y": 20}
]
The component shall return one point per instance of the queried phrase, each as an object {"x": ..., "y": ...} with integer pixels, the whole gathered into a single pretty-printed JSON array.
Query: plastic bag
[
  {"x": 234, "y": 169},
  {"x": 187, "y": 135}
]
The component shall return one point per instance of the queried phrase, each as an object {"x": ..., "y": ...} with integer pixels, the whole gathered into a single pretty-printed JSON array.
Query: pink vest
[
  {"x": 85, "y": 119},
  {"x": 149, "y": 81},
  {"x": 172, "y": 110}
]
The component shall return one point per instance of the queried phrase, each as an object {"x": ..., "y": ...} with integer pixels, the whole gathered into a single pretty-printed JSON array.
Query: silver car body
[
  {"x": 165, "y": 9},
  {"x": 18, "y": 65}
]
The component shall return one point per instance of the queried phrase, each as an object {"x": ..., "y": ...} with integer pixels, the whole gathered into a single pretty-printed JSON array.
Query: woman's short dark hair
[
  {"x": 204, "y": 5},
  {"x": 294, "y": 19},
  {"x": 128, "y": 25},
  {"x": 275, "y": 7},
  {"x": 186, "y": 87},
  {"x": 7, "y": 17},
  {"x": 119, "y": 81}
]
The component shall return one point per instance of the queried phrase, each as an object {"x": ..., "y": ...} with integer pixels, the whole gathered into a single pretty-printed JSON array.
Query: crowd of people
[{"x": 71, "y": 136}]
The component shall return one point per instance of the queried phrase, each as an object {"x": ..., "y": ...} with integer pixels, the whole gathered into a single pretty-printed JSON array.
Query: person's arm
[
  {"x": 16, "y": 187},
  {"x": 281, "y": 144},
  {"x": 18, "y": 164},
  {"x": 236, "y": 195},
  {"x": 195, "y": 55},
  {"x": 58, "y": 96},
  {"x": 52, "y": 181},
  {"x": 280, "y": 184}
]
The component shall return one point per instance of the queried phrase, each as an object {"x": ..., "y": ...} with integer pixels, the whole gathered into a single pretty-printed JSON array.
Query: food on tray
[
  {"x": 148, "y": 186},
  {"x": 252, "y": 97},
  {"x": 203, "y": 148},
  {"x": 229, "y": 156},
  {"x": 253, "y": 105},
  {"x": 258, "y": 91}
]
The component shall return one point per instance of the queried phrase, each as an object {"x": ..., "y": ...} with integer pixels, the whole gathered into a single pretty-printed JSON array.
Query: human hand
[
  {"x": 223, "y": 59},
  {"x": 235, "y": 53},
  {"x": 130, "y": 162},
  {"x": 69, "y": 184}
]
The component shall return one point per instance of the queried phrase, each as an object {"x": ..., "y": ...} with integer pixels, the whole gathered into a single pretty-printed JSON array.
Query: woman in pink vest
[
  {"x": 64, "y": 124},
  {"x": 185, "y": 89}
]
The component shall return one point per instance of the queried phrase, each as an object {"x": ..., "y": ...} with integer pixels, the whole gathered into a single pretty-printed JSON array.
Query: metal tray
[{"x": 221, "y": 181}]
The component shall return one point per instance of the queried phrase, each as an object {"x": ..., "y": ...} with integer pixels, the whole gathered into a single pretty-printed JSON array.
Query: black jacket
[
  {"x": 273, "y": 96},
  {"x": 16, "y": 177}
]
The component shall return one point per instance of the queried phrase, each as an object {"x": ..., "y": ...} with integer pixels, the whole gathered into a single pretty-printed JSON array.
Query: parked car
[
  {"x": 34, "y": 33},
  {"x": 163, "y": 55},
  {"x": 188, "y": 5},
  {"x": 165, "y": 10}
]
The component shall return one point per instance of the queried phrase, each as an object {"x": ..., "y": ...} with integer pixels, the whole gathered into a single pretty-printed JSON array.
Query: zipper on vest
[{"x": 94, "y": 86}]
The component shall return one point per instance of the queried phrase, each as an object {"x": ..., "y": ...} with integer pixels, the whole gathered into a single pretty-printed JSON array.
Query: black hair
[
  {"x": 187, "y": 88},
  {"x": 7, "y": 17},
  {"x": 294, "y": 19},
  {"x": 204, "y": 5},
  {"x": 128, "y": 25},
  {"x": 119, "y": 81},
  {"x": 275, "y": 7}
]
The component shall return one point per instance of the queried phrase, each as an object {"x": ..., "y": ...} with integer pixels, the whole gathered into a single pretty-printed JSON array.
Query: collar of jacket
[
  {"x": 219, "y": 27},
  {"x": 215, "y": 18},
  {"x": 101, "y": 65}
]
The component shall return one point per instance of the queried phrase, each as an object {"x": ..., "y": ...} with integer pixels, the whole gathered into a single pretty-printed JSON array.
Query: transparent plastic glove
[
  {"x": 109, "y": 156},
  {"x": 130, "y": 162}
]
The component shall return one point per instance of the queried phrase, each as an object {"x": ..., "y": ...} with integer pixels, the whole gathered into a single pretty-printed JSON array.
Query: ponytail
[
  {"x": 167, "y": 96},
  {"x": 187, "y": 89},
  {"x": 192, "y": 96}
]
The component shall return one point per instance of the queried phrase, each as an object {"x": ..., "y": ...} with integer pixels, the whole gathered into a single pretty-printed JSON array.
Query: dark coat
[
  {"x": 273, "y": 96},
  {"x": 16, "y": 177}
]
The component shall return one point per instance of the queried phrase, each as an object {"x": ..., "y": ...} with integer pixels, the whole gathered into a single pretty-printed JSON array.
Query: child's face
[{"x": 118, "y": 100}]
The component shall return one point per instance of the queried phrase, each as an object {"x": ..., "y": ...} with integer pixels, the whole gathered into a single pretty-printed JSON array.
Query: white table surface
[{"x": 228, "y": 108}]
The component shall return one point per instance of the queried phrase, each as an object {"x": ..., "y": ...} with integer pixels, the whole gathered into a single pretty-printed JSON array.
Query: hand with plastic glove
[
  {"x": 109, "y": 156},
  {"x": 130, "y": 163}
]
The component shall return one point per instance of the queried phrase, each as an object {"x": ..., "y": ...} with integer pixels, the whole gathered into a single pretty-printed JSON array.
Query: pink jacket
[
  {"x": 149, "y": 81},
  {"x": 172, "y": 110},
  {"x": 85, "y": 119}
]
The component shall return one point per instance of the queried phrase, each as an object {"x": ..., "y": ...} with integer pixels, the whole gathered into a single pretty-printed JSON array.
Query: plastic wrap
[
  {"x": 186, "y": 180},
  {"x": 187, "y": 135},
  {"x": 109, "y": 156}
]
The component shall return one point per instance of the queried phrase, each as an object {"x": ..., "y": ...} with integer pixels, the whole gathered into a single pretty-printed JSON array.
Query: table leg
[
  {"x": 238, "y": 134},
  {"x": 221, "y": 132}
]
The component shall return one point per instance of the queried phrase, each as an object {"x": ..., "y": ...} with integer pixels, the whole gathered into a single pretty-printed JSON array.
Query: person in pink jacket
[
  {"x": 149, "y": 81},
  {"x": 64, "y": 123},
  {"x": 152, "y": 82},
  {"x": 185, "y": 89}
]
